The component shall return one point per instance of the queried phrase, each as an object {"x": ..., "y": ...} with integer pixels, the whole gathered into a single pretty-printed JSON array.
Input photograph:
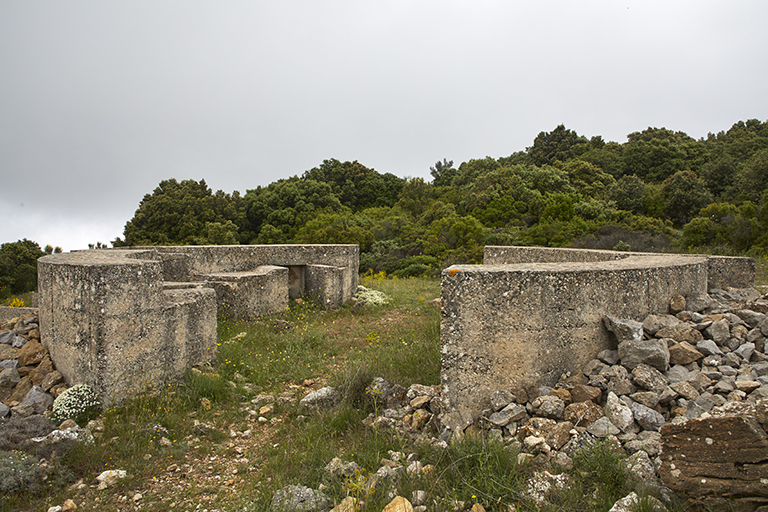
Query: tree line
[{"x": 661, "y": 190}]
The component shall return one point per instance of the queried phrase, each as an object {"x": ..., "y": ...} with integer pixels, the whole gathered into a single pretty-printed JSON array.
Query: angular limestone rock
[{"x": 722, "y": 455}]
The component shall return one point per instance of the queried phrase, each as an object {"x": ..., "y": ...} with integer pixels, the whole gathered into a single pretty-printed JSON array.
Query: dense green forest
[{"x": 660, "y": 191}]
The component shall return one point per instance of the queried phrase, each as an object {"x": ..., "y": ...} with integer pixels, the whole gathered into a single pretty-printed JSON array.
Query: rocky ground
[
  {"x": 687, "y": 386},
  {"x": 684, "y": 395}
]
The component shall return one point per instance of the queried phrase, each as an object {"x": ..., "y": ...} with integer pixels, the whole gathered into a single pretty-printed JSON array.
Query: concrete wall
[
  {"x": 530, "y": 316},
  {"x": 108, "y": 321},
  {"x": 183, "y": 263},
  {"x": 124, "y": 320},
  {"x": 723, "y": 271}
]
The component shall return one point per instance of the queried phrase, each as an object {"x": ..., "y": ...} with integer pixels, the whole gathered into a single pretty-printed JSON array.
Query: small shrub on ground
[
  {"x": 371, "y": 297},
  {"x": 79, "y": 403},
  {"x": 19, "y": 471},
  {"x": 14, "y": 431}
]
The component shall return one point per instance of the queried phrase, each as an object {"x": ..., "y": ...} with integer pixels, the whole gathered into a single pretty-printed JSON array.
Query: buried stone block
[{"x": 719, "y": 459}]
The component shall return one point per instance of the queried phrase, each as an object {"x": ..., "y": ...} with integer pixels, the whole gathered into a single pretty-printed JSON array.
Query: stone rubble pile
[{"x": 29, "y": 383}]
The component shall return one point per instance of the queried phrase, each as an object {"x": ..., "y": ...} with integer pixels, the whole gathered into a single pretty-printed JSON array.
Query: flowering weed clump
[
  {"x": 79, "y": 403},
  {"x": 371, "y": 297}
]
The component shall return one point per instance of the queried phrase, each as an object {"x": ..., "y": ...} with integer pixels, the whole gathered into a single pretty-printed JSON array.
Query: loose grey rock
[
  {"x": 755, "y": 335},
  {"x": 625, "y": 329},
  {"x": 698, "y": 380},
  {"x": 7, "y": 337},
  {"x": 640, "y": 467},
  {"x": 649, "y": 378},
  {"x": 677, "y": 373},
  {"x": 703, "y": 404},
  {"x": 619, "y": 414},
  {"x": 512, "y": 412},
  {"x": 698, "y": 303},
  {"x": 745, "y": 351},
  {"x": 763, "y": 325},
  {"x": 760, "y": 369},
  {"x": 5, "y": 411},
  {"x": 18, "y": 342},
  {"x": 759, "y": 393},
  {"x": 602, "y": 427},
  {"x": 647, "y": 398},
  {"x": 23, "y": 410},
  {"x": 709, "y": 348},
  {"x": 652, "y": 352},
  {"x": 654, "y": 323},
  {"x": 647, "y": 441},
  {"x": 549, "y": 407},
  {"x": 595, "y": 367},
  {"x": 751, "y": 318},
  {"x": 297, "y": 498},
  {"x": 626, "y": 504},
  {"x": 322, "y": 399},
  {"x": 685, "y": 389},
  {"x": 38, "y": 399},
  {"x": 719, "y": 331},
  {"x": 609, "y": 357},
  {"x": 501, "y": 398},
  {"x": 646, "y": 417},
  {"x": 338, "y": 468},
  {"x": 12, "y": 364},
  {"x": 9, "y": 378}
]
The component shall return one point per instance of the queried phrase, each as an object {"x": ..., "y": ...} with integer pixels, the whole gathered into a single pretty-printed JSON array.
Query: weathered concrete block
[
  {"x": 6, "y": 313},
  {"x": 107, "y": 321},
  {"x": 325, "y": 284},
  {"x": 124, "y": 320},
  {"x": 531, "y": 316},
  {"x": 193, "y": 262},
  {"x": 249, "y": 295}
]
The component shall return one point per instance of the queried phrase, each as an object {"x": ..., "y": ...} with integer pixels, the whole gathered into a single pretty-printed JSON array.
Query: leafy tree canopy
[
  {"x": 277, "y": 211},
  {"x": 355, "y": 185},
  {"x": 560, "y": 144},
  {"x": 18, "y": 266},
  {"x": 183, "y": 213}
]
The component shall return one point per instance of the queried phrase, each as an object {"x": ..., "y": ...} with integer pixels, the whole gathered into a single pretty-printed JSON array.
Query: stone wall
[
  {"x": 531, "y": 317},
  {"x": 124, "y": 320}
]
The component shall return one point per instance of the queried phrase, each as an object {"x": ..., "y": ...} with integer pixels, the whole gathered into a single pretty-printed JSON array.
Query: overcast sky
[{"x": 100, "y": 101}]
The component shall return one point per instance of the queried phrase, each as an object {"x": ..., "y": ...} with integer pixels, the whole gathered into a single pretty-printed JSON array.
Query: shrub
[
  {"x": 79, "y": 403},
  {"x": 415, "y": 270},
  {"x": 18, "y": 471},
  {"x": 371, "y": 297}
]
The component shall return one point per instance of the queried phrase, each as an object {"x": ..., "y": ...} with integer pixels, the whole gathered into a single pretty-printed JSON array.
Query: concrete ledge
[
  {"x": 249, "y": 295},
  {"x": 325, "y": 284},
  {"x": 530, "y": 317},
  {"x": 723, "y": 272}
]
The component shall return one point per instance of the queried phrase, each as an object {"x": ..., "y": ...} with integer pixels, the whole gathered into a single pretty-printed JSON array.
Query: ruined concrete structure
[
  {"x": 124, "y": 320},
  {"x": 529, "y": 316}
]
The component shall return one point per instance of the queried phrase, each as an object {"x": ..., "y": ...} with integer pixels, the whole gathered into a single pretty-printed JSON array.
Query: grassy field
[{"x": 200, "y": 445}]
